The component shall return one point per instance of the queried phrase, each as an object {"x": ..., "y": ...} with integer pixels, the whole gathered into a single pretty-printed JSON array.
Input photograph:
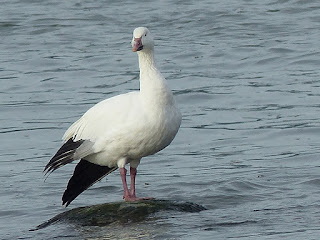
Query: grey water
[{"x": 245, "y": 75}]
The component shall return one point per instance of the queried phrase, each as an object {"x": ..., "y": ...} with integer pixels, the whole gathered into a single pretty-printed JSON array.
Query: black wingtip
[
  {"x": 63, "y": 156},
  {"x": 85, "y": 174},
  {"x": 66, "y": 203}
]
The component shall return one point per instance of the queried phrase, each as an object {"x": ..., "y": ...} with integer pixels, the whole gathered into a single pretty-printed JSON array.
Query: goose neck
[{"x": 146, "y": 60}]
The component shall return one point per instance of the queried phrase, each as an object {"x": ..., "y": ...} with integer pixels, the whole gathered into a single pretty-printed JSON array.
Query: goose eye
[{"x": 145, "y": 35}]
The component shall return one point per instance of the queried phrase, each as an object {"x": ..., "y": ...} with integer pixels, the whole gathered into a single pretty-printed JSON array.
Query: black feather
[
  {"x": 85, "y": 174},
  {"x": 63, "y": 156}
]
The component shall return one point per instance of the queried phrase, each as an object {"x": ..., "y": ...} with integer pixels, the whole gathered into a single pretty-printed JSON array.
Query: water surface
[{"x": 245, "y": 75}]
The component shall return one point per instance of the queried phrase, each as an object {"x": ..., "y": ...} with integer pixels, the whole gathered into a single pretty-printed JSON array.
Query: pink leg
[
  {"x": 133, "y": 173},
  {"x": 130, "y": 195},
  {"x": 123, "y": 174}
]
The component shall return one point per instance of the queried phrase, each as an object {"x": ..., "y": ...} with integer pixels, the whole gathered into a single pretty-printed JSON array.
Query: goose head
[{"x": 142, "y": 40}]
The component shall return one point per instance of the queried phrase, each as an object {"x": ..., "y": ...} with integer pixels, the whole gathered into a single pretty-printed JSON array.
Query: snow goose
[{"x": 120, "y": 130}]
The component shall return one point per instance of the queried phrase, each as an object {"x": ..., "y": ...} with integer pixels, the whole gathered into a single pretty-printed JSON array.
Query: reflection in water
[
  {"x": 125, "y": 231},
  {"x": 245, "y": 75}
]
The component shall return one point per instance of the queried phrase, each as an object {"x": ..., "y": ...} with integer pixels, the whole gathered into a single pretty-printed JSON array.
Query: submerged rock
[{"x": 107, "y": 213}]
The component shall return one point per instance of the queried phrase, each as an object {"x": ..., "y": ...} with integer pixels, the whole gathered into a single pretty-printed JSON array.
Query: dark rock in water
[{"x": 107, "y": 213}]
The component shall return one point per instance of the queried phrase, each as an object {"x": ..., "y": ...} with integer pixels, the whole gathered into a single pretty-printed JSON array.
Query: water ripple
[{"x": 245, "y": 76}]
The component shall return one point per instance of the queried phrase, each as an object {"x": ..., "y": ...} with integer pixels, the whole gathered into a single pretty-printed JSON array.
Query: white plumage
[{"x": 127, "y": 127}]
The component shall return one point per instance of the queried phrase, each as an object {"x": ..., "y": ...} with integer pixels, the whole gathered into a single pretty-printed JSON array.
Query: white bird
[{"x": 121, "y": 130}]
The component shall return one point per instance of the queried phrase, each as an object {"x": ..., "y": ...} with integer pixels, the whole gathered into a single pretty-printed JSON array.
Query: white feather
[{"x": 130, "y": 126}]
